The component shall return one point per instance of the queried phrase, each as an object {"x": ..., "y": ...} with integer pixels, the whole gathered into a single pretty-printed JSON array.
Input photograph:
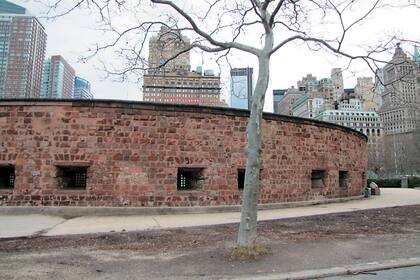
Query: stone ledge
[{"x": 72, "y": 212}]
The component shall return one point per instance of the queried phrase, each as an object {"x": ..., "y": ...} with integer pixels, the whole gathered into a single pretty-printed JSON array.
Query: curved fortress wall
[{"x": 112, "y": 153}]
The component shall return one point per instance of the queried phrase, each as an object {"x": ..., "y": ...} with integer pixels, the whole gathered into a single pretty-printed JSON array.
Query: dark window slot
[
  {"x": 189, "y": 179},
  {"x": 7, "y": 177},
  {"x": 343, "y": 179},
  {"x": 317, "y": 179},
  {"x": 241, "y": 179}
]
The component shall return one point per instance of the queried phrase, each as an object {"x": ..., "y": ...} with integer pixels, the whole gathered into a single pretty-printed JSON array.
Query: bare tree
[{"x": 221, "y": 26}]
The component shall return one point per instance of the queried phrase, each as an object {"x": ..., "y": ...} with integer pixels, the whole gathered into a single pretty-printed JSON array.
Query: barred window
[
  {"x": 72, "y": 177},
  {"x": 189, "y": 179},
  {"x": 7, "y": 177}
]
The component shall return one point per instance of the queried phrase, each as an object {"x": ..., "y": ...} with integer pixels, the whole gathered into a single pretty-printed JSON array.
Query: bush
[
  {"x": 413, "y": 182},
  {"x": 386, "y": 183}
]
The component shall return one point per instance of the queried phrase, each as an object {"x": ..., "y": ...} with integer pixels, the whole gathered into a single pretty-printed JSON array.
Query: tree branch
[{"x": 202, "y": 33}]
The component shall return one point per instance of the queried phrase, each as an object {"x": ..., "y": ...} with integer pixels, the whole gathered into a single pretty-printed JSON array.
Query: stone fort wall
[{"x": 133, "y": 154}]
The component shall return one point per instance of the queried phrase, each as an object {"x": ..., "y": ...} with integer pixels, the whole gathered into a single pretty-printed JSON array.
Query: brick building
[
  {"x": 192, "y": 88},
  {"x": 169, "y": 78},
  {"x": 116, "y": 153}
]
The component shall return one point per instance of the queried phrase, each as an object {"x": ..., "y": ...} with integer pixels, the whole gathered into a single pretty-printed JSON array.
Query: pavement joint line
[
  {"x": 46, "y": 230},
  {"x": 156, "y": 221},
  {"x": 333, "y": 271}
]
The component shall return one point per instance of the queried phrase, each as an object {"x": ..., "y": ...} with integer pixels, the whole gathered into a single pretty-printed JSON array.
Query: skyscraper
[
  {"x": 379, "y": 86},
  {"x": 400, "y": 114},
  {"x": 169, "y": 79},
  {"x": 82, "y": 89},
  {"x": 278, "y": 95},
  {"x": 365, "y": 91},
  {"x": 337, "y": 81},
  {"x": 168, "y": 52},
  {"x": 58, "y": 78},
  {"x": 241, "y": 85},
  {"x": 46, "y": 79},
  {"x": 22, "y": 51}
]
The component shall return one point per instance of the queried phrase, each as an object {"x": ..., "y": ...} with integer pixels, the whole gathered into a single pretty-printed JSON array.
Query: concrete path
[{"x": 14, "y": 226}]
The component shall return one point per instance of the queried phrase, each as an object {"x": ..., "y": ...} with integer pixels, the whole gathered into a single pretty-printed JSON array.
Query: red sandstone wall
[{"x": 134, "y": 150}]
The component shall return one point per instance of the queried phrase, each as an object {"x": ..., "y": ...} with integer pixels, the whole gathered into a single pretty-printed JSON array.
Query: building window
[
  {"x": 190, "y": 179},
  {"x": 317, "y": 179},
  {"x": 343, "y": 179},
  {"x": 7, "y": 177},
  {"x": 241, "y": 179},
  {"x": 72, "y": 177}
]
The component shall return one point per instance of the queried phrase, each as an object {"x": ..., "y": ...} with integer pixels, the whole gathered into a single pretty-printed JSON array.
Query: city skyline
[
  {"x": 390, "y": 122},
  {"x": 297, "y": 61}
]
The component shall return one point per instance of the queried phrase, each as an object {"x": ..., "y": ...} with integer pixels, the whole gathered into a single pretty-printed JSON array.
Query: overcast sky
[{"x": 72, "y": 35}]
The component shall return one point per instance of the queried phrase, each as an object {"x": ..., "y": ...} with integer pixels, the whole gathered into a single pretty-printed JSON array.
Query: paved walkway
[{"x": 26, "y": 225}]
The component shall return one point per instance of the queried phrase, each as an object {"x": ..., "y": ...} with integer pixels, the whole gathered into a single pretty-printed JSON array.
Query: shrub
[
  {"x": 386, "y": 183},
  {"x": 413, "y": 182}
]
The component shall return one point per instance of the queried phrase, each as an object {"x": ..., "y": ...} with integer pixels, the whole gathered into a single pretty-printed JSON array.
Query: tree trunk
[{"x": 248, "y": 226}]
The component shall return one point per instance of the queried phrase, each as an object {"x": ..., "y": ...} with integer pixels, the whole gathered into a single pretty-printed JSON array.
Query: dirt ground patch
[{"x": 369, "y": 223}]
